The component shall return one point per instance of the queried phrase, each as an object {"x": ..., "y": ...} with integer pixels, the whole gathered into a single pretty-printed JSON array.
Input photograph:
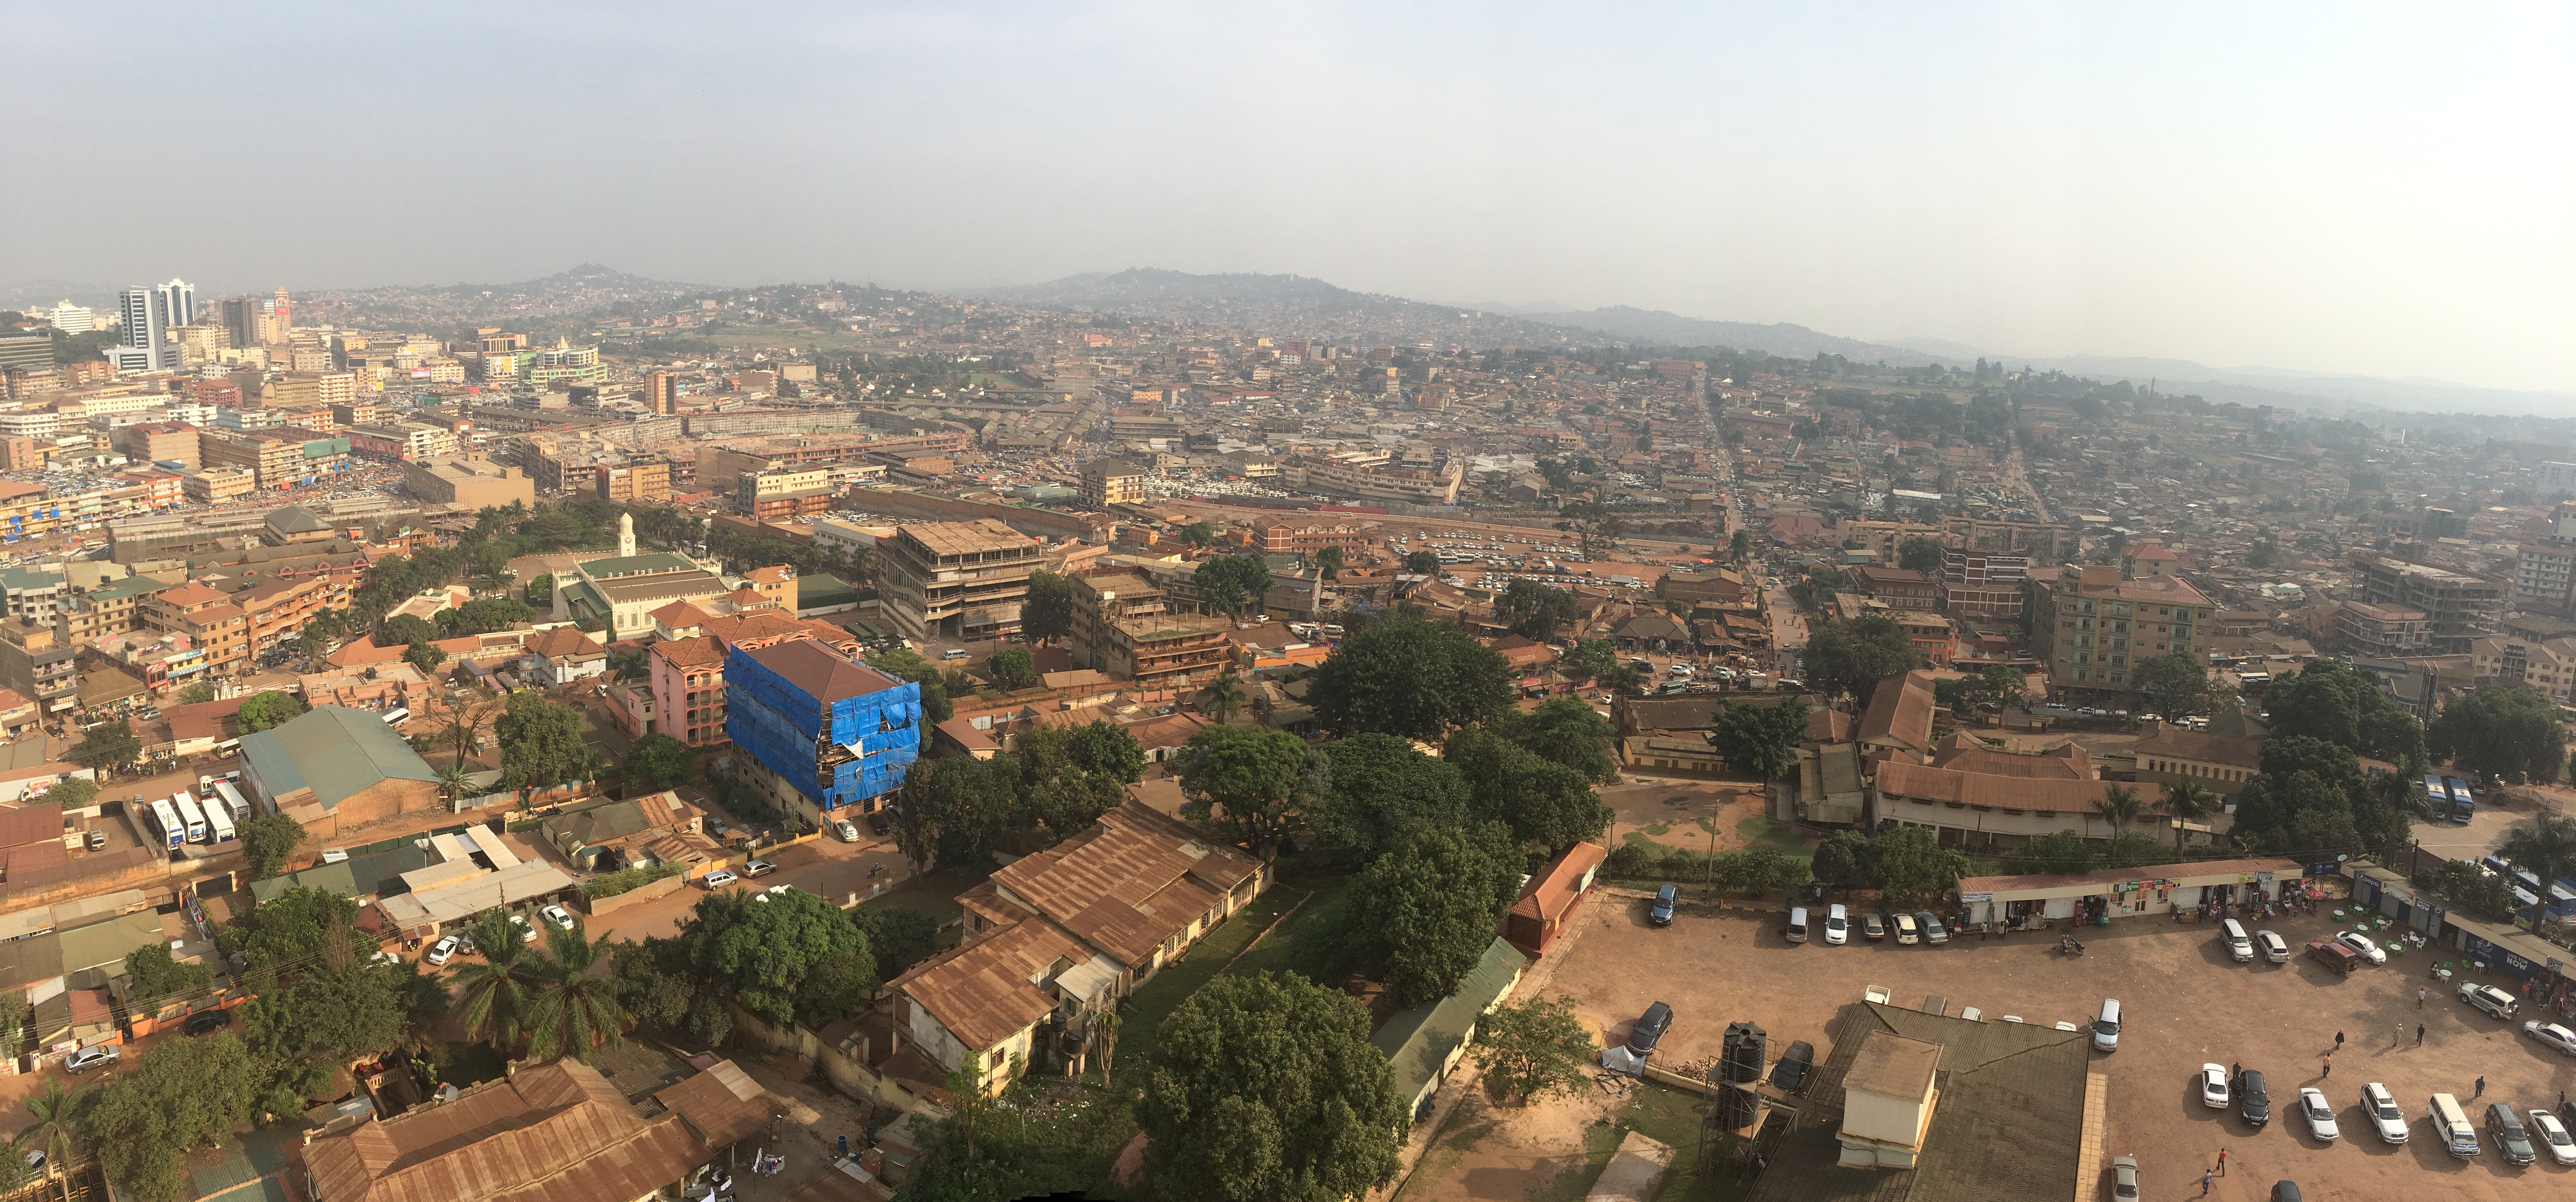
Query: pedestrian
[
  {"x": 2222, "y": 1160},
  {"x": 2329, "y": 1069},
  {"x": 2401, "y": 1035},
  {"x": 2205, "y": 1175},
  {"x": 2482, "y": 1089},
  {"x": 2419, "y": 999},
  {"x": 2419, "y": 1035},
  {"x": 2338, "y": 1040}
]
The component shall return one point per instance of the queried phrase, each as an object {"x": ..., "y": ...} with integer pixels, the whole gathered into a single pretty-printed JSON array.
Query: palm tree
[
  {"x": 578, "y": 1009},
  {"x": 2187, "y": 802},
  {"x": 454, "y": 780},
  {"x": 1221, "y": 698},
  {"x": 2120, "y": 806},
  {"x": 51, "y": 1133},
  {"x": 2545, "y": 848},
  {"x": 628, "y": 665},
  {"x": 496, "y": 992}
]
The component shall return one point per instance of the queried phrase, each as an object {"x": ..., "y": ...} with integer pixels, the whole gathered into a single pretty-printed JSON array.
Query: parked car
[
  {"x": 527, "y": 932},
  {"x": 2273, "y": 947},
  {"x": 2252, "y": 1103},
  {"x": 1650, "y": 1029},
  {"x": 2319, "y": 1113},
  {"x": 442, "y": 951},
  {"x": 1933, "y": 931},
  {"x": 2552, "y": 1034},
  {"x": 1661, "y": 913},
  {"x": 758, "y": 868},
  {"x": 2124, "y": 1178},
  {"x": 2494, "y": 1001},
  {"x": 91, "y": 1057},
  {"x": 2286, "y": 1191},
  {"x": 1791, "y": 1072},
  {"x": 2505, "y": 1127},
  {"x": 720, "y": 878},
  {"x": 2334, "y": 955},
  {"x": 2213, "y": 1086},
  {"x": 557, "y": 915},
  {"x": 2380, "y": 1107},
  {"x": 1837, "y": 926},
  {"x": 208, "y": 1021},
  {"x": 2549, "y": 1133},
  {"x": 96, "y": 839},
  {"x": 2362, "y": 946},
  {"x": 1873, "y": 925}
]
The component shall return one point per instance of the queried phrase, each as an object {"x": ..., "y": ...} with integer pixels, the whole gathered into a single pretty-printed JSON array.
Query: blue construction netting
[{"x": 786, "y": 729}]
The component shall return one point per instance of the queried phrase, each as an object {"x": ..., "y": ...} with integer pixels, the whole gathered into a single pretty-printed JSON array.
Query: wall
[{"x": 651, "y": 891}]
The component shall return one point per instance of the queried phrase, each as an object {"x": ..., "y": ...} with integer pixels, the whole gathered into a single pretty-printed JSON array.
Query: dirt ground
[
  {"x": 1686, "y": 814},
  {"x": 2186, "y": 1002}
]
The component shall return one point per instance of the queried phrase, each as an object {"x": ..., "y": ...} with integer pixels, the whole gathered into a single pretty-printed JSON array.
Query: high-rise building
[
  {"x": 661, "y": 392},
  {"x": 284, "y": 315},
  {"x": 72, "y": 319},
  {"x": 179, "y": 303},
  {"x": 145, "y": 344}
]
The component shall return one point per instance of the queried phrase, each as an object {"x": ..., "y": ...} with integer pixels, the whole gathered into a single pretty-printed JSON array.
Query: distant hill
[
  {"x": 587, "y": 289},
  {"x": 1788, "y": 341},
  {"x": 25, "y": 295}
]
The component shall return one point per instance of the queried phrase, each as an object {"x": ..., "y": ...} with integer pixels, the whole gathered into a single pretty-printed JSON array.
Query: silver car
[
  {"x": 2320, "y": 1115},
  {"x": 2380, "y": 1107}
]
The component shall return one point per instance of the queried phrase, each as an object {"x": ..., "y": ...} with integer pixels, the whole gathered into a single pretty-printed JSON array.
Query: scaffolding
[{"x": 837, "y": 752}]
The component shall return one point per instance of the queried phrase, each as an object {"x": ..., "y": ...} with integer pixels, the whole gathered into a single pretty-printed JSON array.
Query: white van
[
  {"x": 1797, "y": 924},
  {"x": 1837, "y": 925},
  {"x": 2106, "y": 1027},
  {"x": 2239, "y": 945},
  {"x": 2453, "y": 1125}
]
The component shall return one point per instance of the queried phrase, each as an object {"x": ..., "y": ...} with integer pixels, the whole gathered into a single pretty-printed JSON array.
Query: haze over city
[{"x": 2369, "y": 191}]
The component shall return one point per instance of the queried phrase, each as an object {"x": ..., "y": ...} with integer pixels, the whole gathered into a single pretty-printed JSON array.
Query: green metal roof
[
  {"x": 818, "y": 591},
  {"x": 15, "y": 579},
  {"x": 1418, "y": 1041},
  {"x": 615, "y": 565},
  {"x": 579, "y": 593},
  {"x": 363, "y": 876},
  {"x": 334, "y": 750},
  {"x": 137, "y": 585}
]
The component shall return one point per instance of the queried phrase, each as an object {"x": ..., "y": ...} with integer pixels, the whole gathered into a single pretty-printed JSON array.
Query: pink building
[{"x": 689, "y": 690}]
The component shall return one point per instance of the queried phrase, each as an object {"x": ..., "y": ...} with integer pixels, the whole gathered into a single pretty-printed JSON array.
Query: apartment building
[
  {"x": 160, "y": 442},
  {"x": 785, "y": 494},
  {"x": 276, "y": 609},
  {"x": 209, "y": 619},
  {"x": 37, "y": 662},
  {"x": 2460, "y": 609},
  {"x": 634, "y": 480},
  {"x": 957, "y": 580},
  {"x": 214, "y": 485},
  {"x": 1126, "y": 627},
  {"x": 2544, "y": 576},
  {"x": 404, "y": 441},
  {"x": 113, "y": 608},
  {"x": 2092, "y": 626},
  {"x": 471, "y": 480},
  {"x": 2379, "y": 630},
  {"x": 1333, "y": 477},
  {"x": 826, "y": 735},
  {"x": 1107, "y": 482},
  {"x": 689, "y": 690},
  {"x": 2044, "y": 542},
  {"x": 1898, "y": 588}
]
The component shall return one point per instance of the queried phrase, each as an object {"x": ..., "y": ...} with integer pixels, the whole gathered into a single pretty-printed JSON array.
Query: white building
[{"x": 72, "y": 319}]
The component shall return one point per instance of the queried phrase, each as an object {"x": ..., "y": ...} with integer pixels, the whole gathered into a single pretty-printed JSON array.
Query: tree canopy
[
  {"x": 1433, "y": 901},
  {"x": 1536, "y": 1047},
  {"x": 2502, "y": 733},
  {"x": 269, "y": 709},
  {"x": 788, "y": 957},
  {"x": 1760, "y": 741},
  {"x": 1564, "y": 730},
  {"x": 1264, "y": 1088},
  {"x": 2175, "y": 684},
  {"x": 541, "y": 742},
  {"x": 1848, "y": 659},
  {"x": 1253, "y": 783},
  {"x": 1535, "y": 611},
  {"x": 1226, "y": 583},
  {"x": 1921, "y": 553},
  {"x": 267, "y": 841},
  {"x": 1382, "y": 789},
  {"x": 1048, "y": 613},
  {"x": 2328, "y": 700},
  {"x": 111, "y": 746},
  {"x": 904, "y": 663},
  {"x": 1014, "y": 669},
  {"x": 1412, "y": 679},
  {"x": 1543, "y": 802},
  {"x": 658, "y": 761}
]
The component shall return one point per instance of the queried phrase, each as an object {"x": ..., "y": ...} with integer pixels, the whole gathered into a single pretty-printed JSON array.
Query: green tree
[
  {"x": 1535, "y": 611},
  {"x": 2188, "y": 802},
  {"x": 1329, "y": 562},
  {"x": 1739, "y": 546},
  {"x": 2119, "y": 806},
  {"x": 1226, "y": 583},
  {"x": 1597, "y": 660},
  {"x": 2004, "y": 685},
  {"x": 541, "y": 742},
  {"x": 1760, "y": 741},
  {"x": 1253, "y": 783},
  {"x": 1536, "y": 1047},
  {"x": 2328, "y": 700},
  {"x": 1048, "y": 613},
  {"x": 541, "y": 591},
  {"x": 1412, "y": 679},
  {"x": 2133, "y": 849},
  {"x": 1564, "y": 730},
  {"x": 898, "y": 936},
  {"x": 1222, "y": 699},
  {"x": 1070, "y": 775},
  {"x": 952, "y": 809},
  {"x": 268, "y": 841},
  {"x": 1198, "y": 534},
  {"x": 156, "y": 980},
  {"x": 424, "y": 655},
  {"x": 576, "y": 1010},
  {"x": 1433, "y": 902},
  {"x": 1849, "y": 659},
  {"x": 1382, "y": 790},
  {"x": 111, "y": 746},
  {"x": 268, "y": 710},
  {"x": 1912, "y": 868},
  {"x": 629, "y": 665},
  {"x": 658, "y": 762},
  {"x": 1422, "y": 563},
  {"x": 2502, "y": 733},
  {"x": 1264, "y": 1088},
  {"x": 71, "y": 794},
  {"x": 2544, "y": 846},
  {"x": 494, "y": 996},
  {"x": 184, "y": 1095},
  {"x": 2174, "y": 685},
  {"x": 792, "y": 957},
  {"x": 1921, "y": 553},
  {"x": 197, "y": 694},
  {"x": 56, "y": 1128},
  {"x": 2057, "y": 852},
  {"x": 1543, "y": 802},
  {"x": 1014, "y": 669},
  {"x": 1842, "y": 860}
]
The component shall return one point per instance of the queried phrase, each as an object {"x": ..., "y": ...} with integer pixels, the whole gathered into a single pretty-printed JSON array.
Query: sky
[{"x": 2375, "y": 190}]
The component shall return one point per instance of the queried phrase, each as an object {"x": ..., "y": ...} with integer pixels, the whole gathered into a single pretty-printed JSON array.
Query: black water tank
[{"x": 1743, "y": 1052}]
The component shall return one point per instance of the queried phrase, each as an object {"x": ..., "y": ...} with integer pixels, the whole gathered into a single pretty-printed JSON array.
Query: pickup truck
[{"x": 2333, "y": 955}]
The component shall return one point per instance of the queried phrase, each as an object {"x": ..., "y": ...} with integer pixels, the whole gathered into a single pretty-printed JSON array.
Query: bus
[
  {"x": 167, "y": 818},
  {"x": 234, "y": 802},
  {"x": 2437, "y": 794},
  {"x": 2463, "y": 806},
  {"x": 219, "y": 824},
  {"x": 190, "y": 814}
]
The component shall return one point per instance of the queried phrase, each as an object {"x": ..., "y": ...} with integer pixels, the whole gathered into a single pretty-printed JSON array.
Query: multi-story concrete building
[
  {"x": 2549, "y": 666},
  {"x": 1107, "y": 482},
  {"x": 408, "y": 440},
  {"x": 214, "y": 485},
  {"x": 1899, "y": 588},
  {"x": 1333, "y": 477},
  {"x": 2379, "y": 630},
  {"x": 1976, "y": 584},
  {"x": 471, "y": 480},
  {"x": 785, "y": 494},
  {"x": 689, "y": 690},
  {"x": 278, "y": 459},
  {"x": 161, "y": 442},
  {"x": 638, "y": 479},
  {"x": 209, "y": 619},
  {"x": 1124, "y": 626},
  {"x": 115, "y": 607},
  {"x": 2043, "y": 542},
  {"x": 2092, "y": 627},
  {"x": 277, "y": 609},
  {"x": 2459, "y": 608},
  {"x": 957, "y": 580},
  {"x": 824, "y": 735},
  {"x": 316, "y": 389},
  {"x": 36, "y": 661}
]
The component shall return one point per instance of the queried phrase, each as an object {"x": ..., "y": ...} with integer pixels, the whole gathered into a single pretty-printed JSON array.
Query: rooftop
[
  {"x": 335, "y": 751},
  {"x": 821, "y": 672}
]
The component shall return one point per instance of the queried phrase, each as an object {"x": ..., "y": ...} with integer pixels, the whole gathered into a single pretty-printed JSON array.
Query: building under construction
[{"x": 828, "y": 736}]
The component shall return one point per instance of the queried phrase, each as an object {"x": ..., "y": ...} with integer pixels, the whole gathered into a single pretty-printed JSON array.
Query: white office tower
[
  {"x": 72, "y": 319},
  {"x": 179, "y": 304},
  {"x": 144, "y": 345}
]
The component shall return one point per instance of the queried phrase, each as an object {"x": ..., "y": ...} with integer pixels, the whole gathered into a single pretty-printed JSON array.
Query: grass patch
[
  {"x": 934, "y": 893},
  {"x": 1313, "y": 942},
  {"x": 1781, "y": 835},
  {"x": 1656, "y": 828}
]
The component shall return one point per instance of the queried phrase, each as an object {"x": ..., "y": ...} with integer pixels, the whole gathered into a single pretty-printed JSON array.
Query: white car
[
  {"x": 720, "y": 878},
  {"x": 2494, "y": 1001},
  {"x": 443, "y": 951},
  {"x": 91, "y": 1057},
  {"x": 2380, "y": 1107},
  {"x": 2552, "y": 1034},
  {"x": 2552, "y": 1134},
  {"x": 1837, "y": 928},
  {"x": 2362, "y": 946},
  {"x": 2213, "y": 1086},
  {"x": 558, "y": 916},
  {"x": 2319, "y": 1113}
]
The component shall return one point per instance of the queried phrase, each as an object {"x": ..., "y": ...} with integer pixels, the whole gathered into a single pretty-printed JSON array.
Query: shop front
[{"x": 2208, "y": 890}]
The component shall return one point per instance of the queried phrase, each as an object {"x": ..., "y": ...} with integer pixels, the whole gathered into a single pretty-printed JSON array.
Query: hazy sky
[{"x": 2373, "y": 190}]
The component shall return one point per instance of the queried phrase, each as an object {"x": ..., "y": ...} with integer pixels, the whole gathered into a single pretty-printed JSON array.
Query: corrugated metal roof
[
  {"x": 335, "y": 751},
  {"x": 1418, "y": 1041}
]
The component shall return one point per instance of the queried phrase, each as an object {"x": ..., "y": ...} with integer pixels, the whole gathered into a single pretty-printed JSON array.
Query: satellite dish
[{"x": 2341, "y": 858}]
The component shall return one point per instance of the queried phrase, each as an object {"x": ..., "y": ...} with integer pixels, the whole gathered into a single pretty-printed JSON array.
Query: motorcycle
[{"x": 2071, "y": 946}]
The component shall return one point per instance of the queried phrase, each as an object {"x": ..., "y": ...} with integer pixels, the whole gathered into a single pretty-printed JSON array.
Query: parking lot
[{"x": 2186, "y": 1004}]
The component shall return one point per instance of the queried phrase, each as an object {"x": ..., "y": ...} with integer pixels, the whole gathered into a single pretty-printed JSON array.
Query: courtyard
[{"x": 2186, "y": 1003}]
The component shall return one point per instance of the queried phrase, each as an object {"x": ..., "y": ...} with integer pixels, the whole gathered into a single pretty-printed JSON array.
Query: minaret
[{"x": 626, "y": 534}]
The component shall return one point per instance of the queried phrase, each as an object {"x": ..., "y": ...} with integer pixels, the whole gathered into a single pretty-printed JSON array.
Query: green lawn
[
  {"x": 1308, "y": 942},
  {"x": 934, "y": 893},
  {"x": 1756, "y": 831}
]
